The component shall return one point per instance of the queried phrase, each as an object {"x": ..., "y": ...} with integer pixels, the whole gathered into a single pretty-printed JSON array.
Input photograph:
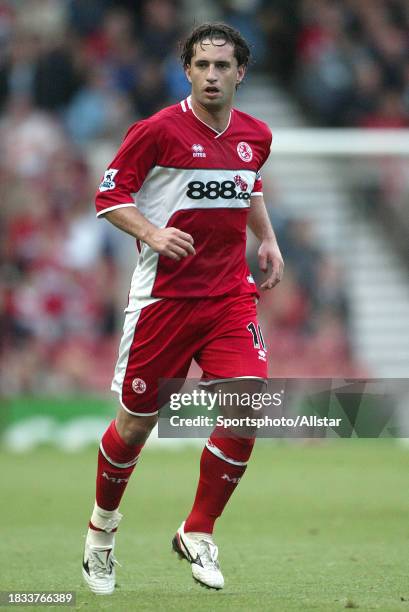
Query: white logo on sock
[
  {"x": 227, "y": 477},
  {"x": 113, "y": 479}
]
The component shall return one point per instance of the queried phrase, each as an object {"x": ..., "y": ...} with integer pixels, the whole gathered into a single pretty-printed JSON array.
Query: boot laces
[
  {"x": 101, "y": 562},
  {"x": 208, "y": 553}
]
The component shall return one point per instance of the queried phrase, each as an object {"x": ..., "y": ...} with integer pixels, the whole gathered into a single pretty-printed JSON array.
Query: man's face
[{"x": 214, "y": 74}]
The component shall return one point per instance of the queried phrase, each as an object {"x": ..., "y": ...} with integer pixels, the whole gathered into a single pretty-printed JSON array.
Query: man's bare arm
[
  {"x": 168, "y": 241},
  {"x": 269, "y": 251}
]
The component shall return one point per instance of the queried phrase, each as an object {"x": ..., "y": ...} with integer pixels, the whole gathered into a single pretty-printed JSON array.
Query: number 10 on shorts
[{"x": 258, "y": 340}]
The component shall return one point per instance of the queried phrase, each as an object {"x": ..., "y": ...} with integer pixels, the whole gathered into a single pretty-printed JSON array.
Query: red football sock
[
  {"x": 116, "y": 462},
  {"x": 223, "y": 462}
]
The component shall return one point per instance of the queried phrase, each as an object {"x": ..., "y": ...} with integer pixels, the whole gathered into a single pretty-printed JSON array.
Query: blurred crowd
[
  {"x": 73, "y": 76},
  {"x": 306, "y": 319},
  {"x": 350, "y": 68},
  {"x": 349, "y": 61}
]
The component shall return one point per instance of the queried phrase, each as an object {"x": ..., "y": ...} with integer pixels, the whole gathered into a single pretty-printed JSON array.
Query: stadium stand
[{"x": 73, "y": 76}]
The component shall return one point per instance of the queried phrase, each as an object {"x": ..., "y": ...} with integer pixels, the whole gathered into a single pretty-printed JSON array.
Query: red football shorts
[{"x": 160, "y": 340}]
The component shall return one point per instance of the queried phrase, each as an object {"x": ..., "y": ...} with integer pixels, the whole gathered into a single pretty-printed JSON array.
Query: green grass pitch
[{"x": 317, "y": 527}]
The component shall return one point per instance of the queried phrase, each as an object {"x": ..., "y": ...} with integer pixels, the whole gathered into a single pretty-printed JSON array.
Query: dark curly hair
[{"x": 219, "y": 32}]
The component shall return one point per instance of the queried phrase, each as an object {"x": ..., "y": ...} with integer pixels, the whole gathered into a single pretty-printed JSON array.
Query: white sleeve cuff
[{"x": 105, "y": 210}]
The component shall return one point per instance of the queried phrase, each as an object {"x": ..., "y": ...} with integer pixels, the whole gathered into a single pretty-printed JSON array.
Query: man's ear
[
  {"x": 187, "y": 73},
  {"x": 241, "y": 71}
]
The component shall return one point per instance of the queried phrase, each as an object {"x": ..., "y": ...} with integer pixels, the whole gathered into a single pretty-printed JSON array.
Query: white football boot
[
  {"x": 98, "y": 566},
  {"x": 201, "y": 552},
  {"x": 98, "y": 569}
]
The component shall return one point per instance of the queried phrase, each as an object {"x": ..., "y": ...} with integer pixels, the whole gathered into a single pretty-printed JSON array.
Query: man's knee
[
  {"x": 134, "y": 429},
  {"x": 237, "y": 396}
]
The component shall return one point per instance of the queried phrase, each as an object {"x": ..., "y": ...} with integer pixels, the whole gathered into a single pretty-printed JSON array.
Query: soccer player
[{"x": 185, "y": 183}]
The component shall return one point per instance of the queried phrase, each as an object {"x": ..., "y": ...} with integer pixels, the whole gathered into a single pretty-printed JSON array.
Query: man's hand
[
  {"x": 170, "y": 241},
  {"x": 269, "y": 253}
]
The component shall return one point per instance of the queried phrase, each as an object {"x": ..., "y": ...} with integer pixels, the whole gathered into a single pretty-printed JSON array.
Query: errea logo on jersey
[
  {"x": 108, "y": 180},
  {"x": 245, "y": 152},
  {"x": 198, "y": 151}
]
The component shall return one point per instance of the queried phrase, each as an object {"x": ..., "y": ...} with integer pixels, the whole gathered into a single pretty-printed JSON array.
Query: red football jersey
[{"x": 182, "y": 173}]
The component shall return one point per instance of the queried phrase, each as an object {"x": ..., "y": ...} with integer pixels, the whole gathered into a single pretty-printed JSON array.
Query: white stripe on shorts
[
  {"x": 136, "y": 413},
  {"x": 130, "y": 323},
  {"x": 213, "y": 381}
]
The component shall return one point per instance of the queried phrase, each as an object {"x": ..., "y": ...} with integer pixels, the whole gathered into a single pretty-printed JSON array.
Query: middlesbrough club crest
[
  {"x": 244, "y": 151},
  {"x": 138, "y": 385}
]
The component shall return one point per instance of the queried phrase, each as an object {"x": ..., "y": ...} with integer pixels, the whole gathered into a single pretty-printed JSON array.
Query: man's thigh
[
  {"x": 156, "y": 344},
  {"x": 234, "y": 347}
]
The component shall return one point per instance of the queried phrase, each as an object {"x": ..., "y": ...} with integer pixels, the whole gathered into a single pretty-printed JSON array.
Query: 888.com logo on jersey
[{"x": 212, "y": 190}]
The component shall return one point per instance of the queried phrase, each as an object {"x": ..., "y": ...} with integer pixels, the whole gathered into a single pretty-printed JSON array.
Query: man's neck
[{"x": 216, "y": 119}]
